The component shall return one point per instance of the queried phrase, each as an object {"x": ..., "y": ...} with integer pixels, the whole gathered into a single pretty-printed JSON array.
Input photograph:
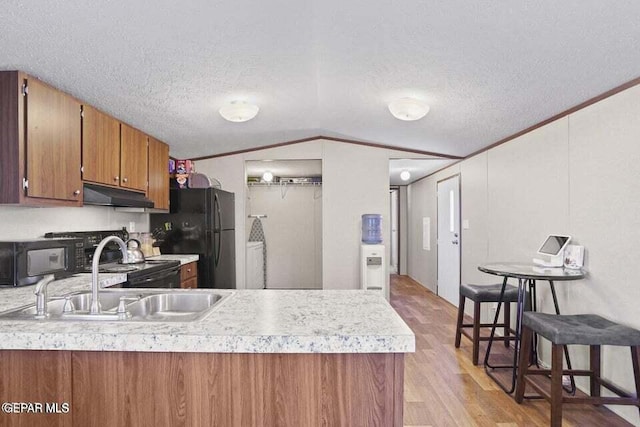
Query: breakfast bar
[{"x": 258, "y": 358}]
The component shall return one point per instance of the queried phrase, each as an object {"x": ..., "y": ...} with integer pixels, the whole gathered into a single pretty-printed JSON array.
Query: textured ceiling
[{"x": 326, "y": 67}]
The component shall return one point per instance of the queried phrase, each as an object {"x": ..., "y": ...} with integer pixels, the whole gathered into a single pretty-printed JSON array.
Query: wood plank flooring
[{"x": 443, "y": 388}]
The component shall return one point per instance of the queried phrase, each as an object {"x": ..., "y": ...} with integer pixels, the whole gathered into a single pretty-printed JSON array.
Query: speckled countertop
[
  {"x": 184, "y": 259},
  {"x": 248, "y": 321}
]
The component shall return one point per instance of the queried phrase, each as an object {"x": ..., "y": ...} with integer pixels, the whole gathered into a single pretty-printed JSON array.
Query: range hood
[{"x": 106, "y": 196}]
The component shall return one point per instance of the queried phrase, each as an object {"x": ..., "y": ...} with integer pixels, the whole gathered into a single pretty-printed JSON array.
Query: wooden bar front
[{"x": 208, "y": 389}]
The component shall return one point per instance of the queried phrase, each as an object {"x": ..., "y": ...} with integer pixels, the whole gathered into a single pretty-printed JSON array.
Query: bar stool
[
  {"x": 483, "y": 294},
  {"x": 582, "y": 329}
]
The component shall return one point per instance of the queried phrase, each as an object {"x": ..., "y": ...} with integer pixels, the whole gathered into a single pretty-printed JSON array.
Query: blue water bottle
[{"x": 372, "y": 229}]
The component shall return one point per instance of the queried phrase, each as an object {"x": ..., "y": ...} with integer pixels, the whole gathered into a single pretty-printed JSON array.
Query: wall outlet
[
  {"x": 132, "y": 227},
  {"x": 465, "y": 224}
]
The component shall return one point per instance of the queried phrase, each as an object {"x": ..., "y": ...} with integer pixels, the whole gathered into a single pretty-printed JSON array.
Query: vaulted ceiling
[{"x": 326, "y": 67}]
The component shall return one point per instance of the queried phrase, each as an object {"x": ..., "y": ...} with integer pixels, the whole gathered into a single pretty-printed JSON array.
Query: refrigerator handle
[
  {"x": 218, "y": 248},
  {"x": 216, "y": 204}
]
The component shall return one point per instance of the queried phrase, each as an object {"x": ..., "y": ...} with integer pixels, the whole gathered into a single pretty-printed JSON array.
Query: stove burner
[{"x": 116, "y": 268}]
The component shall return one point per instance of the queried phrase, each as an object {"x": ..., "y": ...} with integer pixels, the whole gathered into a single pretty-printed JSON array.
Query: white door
[
  {"x": 449, "y": 239},
  {"x": 394, "y": 231}
]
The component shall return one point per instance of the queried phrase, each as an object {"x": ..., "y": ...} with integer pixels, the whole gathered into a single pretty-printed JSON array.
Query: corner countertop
[
  {"x": 247, "y": 321},
  {"x": 184, "y": 259}
]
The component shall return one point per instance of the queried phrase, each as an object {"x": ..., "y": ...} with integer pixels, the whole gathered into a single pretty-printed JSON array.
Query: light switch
[{"x": 465, "y": 224}]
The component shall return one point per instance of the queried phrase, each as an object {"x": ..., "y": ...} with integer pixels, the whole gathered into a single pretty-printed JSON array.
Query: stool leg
[
  {"x": 523, "y": 363},
  {"x": 460, "y": 320},
  {"x": 635, "y": 357},
  {"x": 557, "y": 351},
  {"x": 476, "y": 332},
  {"x": 594, "y": 365},
  {"x": 507, "y": 322}
]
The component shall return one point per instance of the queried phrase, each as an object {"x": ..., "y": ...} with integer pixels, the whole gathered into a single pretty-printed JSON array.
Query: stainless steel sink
[
  {"x": 147, "y": 305},
  {"x": 178, "y": 307}
]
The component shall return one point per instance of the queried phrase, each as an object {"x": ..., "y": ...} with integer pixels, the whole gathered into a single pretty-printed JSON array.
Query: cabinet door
[
  {"x": 133, "y": 158},
  {"x": 100, "y": 147},
  {"x": 158, "y": 174},
  {"x": 53, "y": 144}
]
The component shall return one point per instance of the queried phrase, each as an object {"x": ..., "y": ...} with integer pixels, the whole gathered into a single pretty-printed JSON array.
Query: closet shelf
[{"x": 284, "y": 184}]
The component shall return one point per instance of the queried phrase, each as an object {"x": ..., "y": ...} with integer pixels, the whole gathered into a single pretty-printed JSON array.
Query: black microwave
[{"x": 25, "y": 262}]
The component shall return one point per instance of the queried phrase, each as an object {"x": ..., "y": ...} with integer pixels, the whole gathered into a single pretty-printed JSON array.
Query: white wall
[
  {"x": 25, "y": 223},
  {"x": 577, "y": 175},
  {"x": 293, "y": 233},
  {"x": 355, "y": 182}
]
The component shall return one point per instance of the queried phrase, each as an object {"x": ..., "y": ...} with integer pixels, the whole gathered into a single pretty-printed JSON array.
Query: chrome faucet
[
  {"x": 41, "y": 296},
  {"x": 95, "y": 307}
]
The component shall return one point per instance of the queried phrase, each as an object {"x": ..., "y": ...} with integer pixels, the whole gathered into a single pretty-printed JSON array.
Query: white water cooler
[{"x": 373, "y": 269}]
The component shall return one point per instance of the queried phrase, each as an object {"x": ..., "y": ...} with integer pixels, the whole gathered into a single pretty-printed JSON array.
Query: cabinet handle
[
  {"x": 124, "y": 179},
  {"x": 116, "y": 178},
  {"x": 188, "y": 270},
  {"x": 76, "y": 193}
]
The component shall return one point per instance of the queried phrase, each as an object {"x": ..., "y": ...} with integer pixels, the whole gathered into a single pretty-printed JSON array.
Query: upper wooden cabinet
[
  {"x": 133, "y": 158},
  {"x": 47, "y": 148},
  {"x": 40, "y": 145},
  {"x": 100, "y": 147},
  {"x": 158, "y": 174}
]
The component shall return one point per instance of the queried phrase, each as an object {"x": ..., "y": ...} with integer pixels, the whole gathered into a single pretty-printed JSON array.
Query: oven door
[{"x": 162, "y": 279}]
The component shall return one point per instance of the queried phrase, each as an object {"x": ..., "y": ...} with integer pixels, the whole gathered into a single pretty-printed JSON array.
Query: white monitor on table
[{"x": 553, "y": 247}]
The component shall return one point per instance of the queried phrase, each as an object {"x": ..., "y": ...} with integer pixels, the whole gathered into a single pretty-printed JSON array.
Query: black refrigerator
[{"x": 201, "y": 221}]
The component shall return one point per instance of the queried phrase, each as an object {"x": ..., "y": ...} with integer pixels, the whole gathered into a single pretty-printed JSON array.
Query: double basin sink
[{"x": 127, "y": 305}]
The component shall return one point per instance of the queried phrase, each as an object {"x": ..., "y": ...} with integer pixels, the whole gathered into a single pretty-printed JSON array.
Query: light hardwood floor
[{"x": 443, "y": 388}]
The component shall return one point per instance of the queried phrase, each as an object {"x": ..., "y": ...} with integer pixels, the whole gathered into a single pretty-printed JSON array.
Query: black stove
[
  {"x": 148, "y": 274},
  {"x": 136, "y": 270}
]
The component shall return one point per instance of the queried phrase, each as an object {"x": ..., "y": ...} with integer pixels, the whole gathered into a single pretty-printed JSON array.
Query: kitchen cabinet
[
  {"x": 133, "y": 158},
  {"x": 158, "y": 190},
  {"x": 100, "y": 147},
  {"x": 40, "y": 143},
  {"x": 189, "y": 275}
]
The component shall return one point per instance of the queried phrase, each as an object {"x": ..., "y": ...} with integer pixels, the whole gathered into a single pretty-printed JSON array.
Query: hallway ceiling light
[
  {"x": 267, "y": 176},
  {"x": 408, "y": 109},
  {"x": 239, "y": 111},
  {"x": 405, "y": 175}
]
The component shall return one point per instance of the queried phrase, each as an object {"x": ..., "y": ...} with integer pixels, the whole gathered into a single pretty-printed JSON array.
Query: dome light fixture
[
  {"x": 405, "y": 175},
  {"x": 239, "y": 111},
  {"x": 267, "y": 176},
  {"x": 408, "y": 109}
]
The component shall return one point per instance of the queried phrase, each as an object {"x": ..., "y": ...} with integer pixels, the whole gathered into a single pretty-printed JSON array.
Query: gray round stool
[{"x": 483, "y": 294}]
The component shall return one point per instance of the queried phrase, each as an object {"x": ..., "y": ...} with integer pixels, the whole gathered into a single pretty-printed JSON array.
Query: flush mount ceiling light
[
  {"x": 267, "y": 176},
  {"x": 239, "y": 111},
  {"x": 405, "y": 175},
  {"x": 408, "y": 109}
]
